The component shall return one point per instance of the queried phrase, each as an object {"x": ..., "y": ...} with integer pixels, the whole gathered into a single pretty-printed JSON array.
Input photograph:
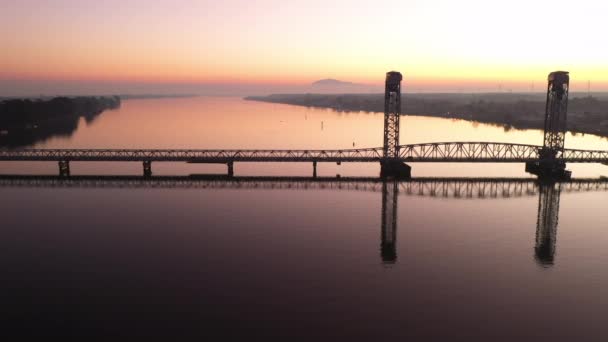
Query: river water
[{"x": 281, "y": 259}]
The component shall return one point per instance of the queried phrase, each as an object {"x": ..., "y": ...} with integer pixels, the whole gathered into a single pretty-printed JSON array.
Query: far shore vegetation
[
  {"x": 586, "y": 113},
  {"x": 25, "y": 122}
]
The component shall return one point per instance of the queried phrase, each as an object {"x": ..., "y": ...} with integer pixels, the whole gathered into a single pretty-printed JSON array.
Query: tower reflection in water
[
  {"x": 388, "y": 246},
  {"x": 546, "y": 225}
]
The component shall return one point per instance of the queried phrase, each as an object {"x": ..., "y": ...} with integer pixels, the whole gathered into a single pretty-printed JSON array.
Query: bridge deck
[{"x": 474, "y": 152}]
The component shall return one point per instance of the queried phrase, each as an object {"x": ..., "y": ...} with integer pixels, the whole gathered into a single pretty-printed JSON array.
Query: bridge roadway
[
  {"x": 477, "y": 152},
  {"x": 460, "y": 188}
]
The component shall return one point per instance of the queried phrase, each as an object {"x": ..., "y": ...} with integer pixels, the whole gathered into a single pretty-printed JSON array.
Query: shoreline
[
  {"x": 24, "y": 122},
  {"x": 586, "y": 115}
]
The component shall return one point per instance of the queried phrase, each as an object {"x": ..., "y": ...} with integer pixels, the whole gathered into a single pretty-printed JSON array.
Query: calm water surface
[{"x": 282, "y": 261}]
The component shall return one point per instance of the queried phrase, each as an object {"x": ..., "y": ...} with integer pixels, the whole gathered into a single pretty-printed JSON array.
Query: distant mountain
[
  {"x": 330, "y": 85},
  {"x": 331, "y": 82}
]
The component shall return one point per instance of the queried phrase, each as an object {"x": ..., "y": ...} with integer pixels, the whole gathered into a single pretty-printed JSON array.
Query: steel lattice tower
[
  {"x": 555, "y": 115},
  {"x": 392, "y": 111}
]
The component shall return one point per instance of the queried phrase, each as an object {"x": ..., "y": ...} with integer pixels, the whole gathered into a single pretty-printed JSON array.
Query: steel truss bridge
[
  {"x": 457, "y": 188},
  {"x": 450, "y": 152}
]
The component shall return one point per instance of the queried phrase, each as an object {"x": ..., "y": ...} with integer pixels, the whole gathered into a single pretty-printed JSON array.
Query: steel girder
[{"x": 469, "y": 152}]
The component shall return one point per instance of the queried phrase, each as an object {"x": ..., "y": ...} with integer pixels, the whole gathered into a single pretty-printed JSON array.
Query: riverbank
[
  {"x": 24, "y": 121},
  {"x": 586, "y": 114}
]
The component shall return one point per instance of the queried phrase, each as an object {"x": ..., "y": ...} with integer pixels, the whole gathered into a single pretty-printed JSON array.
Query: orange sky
[{"x": 467, "y": 45}]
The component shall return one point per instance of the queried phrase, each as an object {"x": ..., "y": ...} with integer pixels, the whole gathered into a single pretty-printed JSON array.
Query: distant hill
[
  {"x": 333, "y": 86},
  {"x": 154, "y": 96},
  {"x": 330, "y": 82}
]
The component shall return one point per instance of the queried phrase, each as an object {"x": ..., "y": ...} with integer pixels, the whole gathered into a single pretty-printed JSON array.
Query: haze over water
[{"x": 250, "y": 262}]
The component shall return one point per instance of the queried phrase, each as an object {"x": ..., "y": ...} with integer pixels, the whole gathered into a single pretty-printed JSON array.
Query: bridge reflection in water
[{"x": 456, "y": 188}]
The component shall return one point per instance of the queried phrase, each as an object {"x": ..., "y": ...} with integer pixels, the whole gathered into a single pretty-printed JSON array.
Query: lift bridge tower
[
  {"x": 390, "y": 164},
  {"x": 391, "y": 168},
  {"x": 551, "y": 163}
]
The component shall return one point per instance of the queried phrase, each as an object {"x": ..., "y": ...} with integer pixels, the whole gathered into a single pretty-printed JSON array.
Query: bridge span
[
  {"x": 484, "y": 152},
  {"x": 446, "y": 152}
]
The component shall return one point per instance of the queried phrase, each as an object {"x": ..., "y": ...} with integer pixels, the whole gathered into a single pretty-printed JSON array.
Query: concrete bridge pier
[
  {"x": 147, "y": 168},
  {"x": 64, "y": 168},
  {"x": 396, "y": 169},
  {"x": 230, "y": 169},
  {"x": 314, "y": 169}
]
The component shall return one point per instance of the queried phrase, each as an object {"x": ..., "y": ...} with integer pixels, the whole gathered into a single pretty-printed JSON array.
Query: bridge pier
[
  {"x": 314, "y": 169},
  {"x": 147, "y": 168},
  {"x": 230, "y": 169},
  {"x": 548, "y": 169},
  {"x": 64, "y": 168},
  {"x": 395, "y": 169}
]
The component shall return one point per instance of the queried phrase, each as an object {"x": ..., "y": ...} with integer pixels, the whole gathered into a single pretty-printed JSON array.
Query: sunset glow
[{"x": 469, "y": 45}]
